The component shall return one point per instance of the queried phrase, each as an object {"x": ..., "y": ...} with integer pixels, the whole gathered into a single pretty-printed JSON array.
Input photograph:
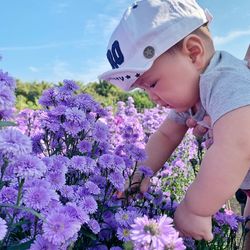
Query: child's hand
[
  {"x": 191, "y": 225},
  {"x": 138, "y": 184},
  {"x": 200, "y": 129}
]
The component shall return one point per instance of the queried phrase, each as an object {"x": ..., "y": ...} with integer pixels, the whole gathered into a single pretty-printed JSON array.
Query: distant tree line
[{"x": 27, "y": 94}]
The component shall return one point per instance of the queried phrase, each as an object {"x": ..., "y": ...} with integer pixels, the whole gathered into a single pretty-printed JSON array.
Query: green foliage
[
  {"x": 27, "y": 94},
  {"x": 109, "y": 95}
]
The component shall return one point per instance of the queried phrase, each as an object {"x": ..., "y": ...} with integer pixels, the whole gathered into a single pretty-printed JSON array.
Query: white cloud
[
  {"x": 29, "y": 47},
  {"x": 33, "y": 69},
  {"x": 219, "y": 40},
  {"x": 46, "y": 46},
  {"x": 103, "y": 24},
  {"x": 61, "y": 70},
  {"x": 61, "y": 7}
]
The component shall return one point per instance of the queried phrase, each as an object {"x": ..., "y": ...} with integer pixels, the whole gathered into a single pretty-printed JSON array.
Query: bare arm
[
  {"x": 225, "y": 165},
  {"x": 159, "y": 148},
  {"x": 222, "y": 170},
  {"x": 163, "y": 142}
]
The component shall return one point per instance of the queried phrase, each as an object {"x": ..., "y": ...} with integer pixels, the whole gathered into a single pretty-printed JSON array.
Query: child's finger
[
  {"x": 144, "y": 185},
  {"x": 119, "y": 194},
  {"x": 209, "y": 236},
  {"x": 191, "y": 123}
]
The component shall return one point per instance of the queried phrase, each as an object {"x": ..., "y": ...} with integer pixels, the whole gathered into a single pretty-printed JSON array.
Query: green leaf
[
  {"x": 20, "y": 223},
  {"x": 22, "y": 246},
  {"x": 7, "y": 124},
  {"x": 90, "y": 235},
  {"x": 29, "y": 210},
  {"x": 128, "y": 246}
]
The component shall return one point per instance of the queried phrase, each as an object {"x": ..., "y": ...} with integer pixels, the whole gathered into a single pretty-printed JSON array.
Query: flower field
[{"x": 61, "y": 167}]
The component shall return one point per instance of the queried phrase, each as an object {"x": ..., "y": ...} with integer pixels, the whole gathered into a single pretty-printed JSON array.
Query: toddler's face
[{"x": 172, "y": 81}]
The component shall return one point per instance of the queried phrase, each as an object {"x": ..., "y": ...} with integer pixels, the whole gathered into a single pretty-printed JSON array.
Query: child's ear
[{"x": 193, "y": 47}]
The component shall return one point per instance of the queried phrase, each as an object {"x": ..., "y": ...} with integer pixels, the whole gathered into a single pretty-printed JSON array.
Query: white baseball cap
[{"x": 147, "y": 29}]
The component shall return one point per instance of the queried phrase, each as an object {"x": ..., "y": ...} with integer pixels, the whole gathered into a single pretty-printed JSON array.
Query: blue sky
[{"x": 53, "y": 40}]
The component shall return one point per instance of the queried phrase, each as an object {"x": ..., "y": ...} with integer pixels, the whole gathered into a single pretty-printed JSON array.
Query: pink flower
[{"x": 154, "y": 234}]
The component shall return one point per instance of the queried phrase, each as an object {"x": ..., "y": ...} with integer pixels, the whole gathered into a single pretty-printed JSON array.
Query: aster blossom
[
  {"x": 13, "y": 142},
  {"x": 41, "y": 243},
  {"x": 28, "y": 166},
  {"x": 38, "y": 197},
  {"x": 59, "y": 228},
  {"x": 3, "y": 229},
  {"x": 153, "y": 234}
]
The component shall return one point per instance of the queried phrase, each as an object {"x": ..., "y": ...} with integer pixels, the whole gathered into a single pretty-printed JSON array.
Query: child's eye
[{"x": 153, "y": 85}]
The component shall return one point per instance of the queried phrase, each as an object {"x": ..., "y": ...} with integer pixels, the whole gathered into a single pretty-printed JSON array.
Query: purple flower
[
  {"x": 74, "y": 114},
  {"x": 117, "y": 180},
  {"x": 119, "y": 163},
  {"x": 48, "y": 97},
  {"x": 29, "y": 166},
  {"x": 30, "y": 183},
  {"x": 8, "y": 195},
  {"x": 115, "y": 248},
  {"x": 100, "y": 181},
  {"x": 75, "y": 212},
  {"x": 36, "y": 144},
  {"x": 13, "y": 142},
  {"x": 67, "y": 191},
  {"x": 6, "y": 114},
  {"x": 59, "y": 228},
  {"x": 123, "y": 234},
  {"x": 3, "y": 229},
  {"x": 100, "y": 131},
  {"x": 146, "y": 171},
  {"x": 7, "y": 80},
  {"x": 39, "y": 197},
  {"x": 155, "y": 234},
  {"x": 92, "y": 187},
  {"x": 56, "y": 179},
  {"x": 125, "y": 218},
  {"x": 106, "y": 161},
  {"x": 89, "y": 204},
  {"x": 64, "y": 98},
  {"x": 227, "y": 217},
  {"x": 7, "y": 97},
  {"x": 137, "y": 153},
  {"x": 173, "y": 241},
  {"x": 217, "y": 230},
  {"x": 94, "y": 226},
  {"x": 98, "y": 247},
  {"x": 78, "y": 163},
  {"x": 57, "y": 163},
  {"x": 86, "y": 102},
  {"x": 83, "y": 163},
  {"x": 41, "y": 243},
  {"x": 69, "y": 86},
  {"x": 85, "y": 146},
  {"x": 189, "y": 243},
  {"x": 72, "y": 127}
]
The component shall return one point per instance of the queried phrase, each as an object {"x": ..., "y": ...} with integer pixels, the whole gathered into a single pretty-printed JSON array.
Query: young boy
[{"x": 164, "y": 47}]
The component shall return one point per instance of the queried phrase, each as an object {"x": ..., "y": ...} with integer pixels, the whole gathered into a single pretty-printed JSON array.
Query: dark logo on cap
[
  {"x": 149, "y": 52},
  {"x": 115, "y": 55}
]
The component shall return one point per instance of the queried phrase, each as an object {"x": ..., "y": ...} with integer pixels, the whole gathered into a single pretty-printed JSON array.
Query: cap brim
[{"x": 122, "y": 78}]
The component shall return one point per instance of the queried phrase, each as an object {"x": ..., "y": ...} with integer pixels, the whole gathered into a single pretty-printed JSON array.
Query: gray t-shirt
[{"x": 224, "y": 87}]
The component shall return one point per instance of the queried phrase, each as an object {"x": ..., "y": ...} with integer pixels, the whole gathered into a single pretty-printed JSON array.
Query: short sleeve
[
  {"x": 226, "y": 92},
  {"x": 178, "y": 117}
]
